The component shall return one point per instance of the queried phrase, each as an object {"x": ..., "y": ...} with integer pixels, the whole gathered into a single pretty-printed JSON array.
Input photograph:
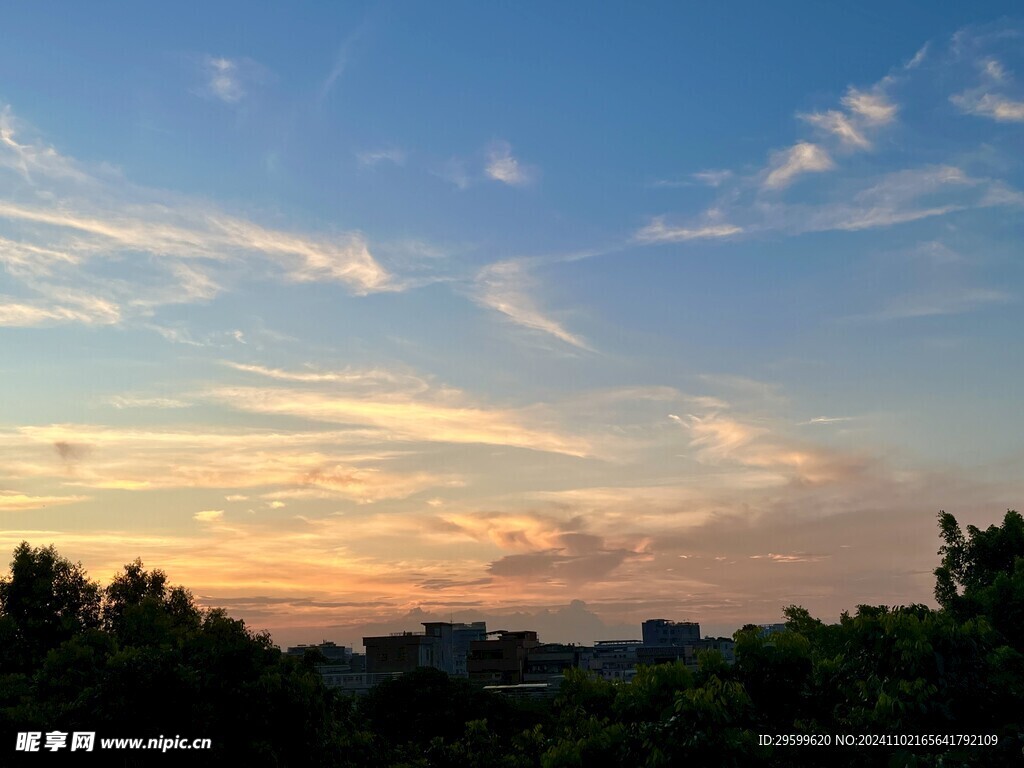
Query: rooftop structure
[
  {"x": 442, "y": 645},
  {"x": 665, "y": 632},
  {"x": 502, "y": 659}
]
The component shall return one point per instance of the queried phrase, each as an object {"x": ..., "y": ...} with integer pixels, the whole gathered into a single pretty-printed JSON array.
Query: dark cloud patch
[
  {"x": 581, "y": 543},
  {"x": 72, "y": 451},
  {"x": 249, "y": 603},
  {"x": 441, "y": 584},
  {"x": 555, "y": 564}
]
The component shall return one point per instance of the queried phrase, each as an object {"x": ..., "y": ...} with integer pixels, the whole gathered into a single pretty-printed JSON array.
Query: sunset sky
[{"x": 563, "y": 316}]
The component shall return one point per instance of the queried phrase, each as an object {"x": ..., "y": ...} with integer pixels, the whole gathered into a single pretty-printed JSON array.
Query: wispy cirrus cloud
[
  {"x": 803, "y": 157},
  {"x": 991, "y": 53},
  {"x": 209, "y": 516},
  {"x": 934, "y": 303},
  {"x": 15, "y": 501},
  {"x": 369, "y": 158},
  {"x": 497, "y": 164},
  {"x": 894, "y": 198},
  {"x": 839, "y": 124},
  {"x": 995, "y": 96},
  {"x": 412, "y": 420},
  {"x": 709, "y": 178},
  {"x": 725, "y": 439},
  {"x": 367, "y": 380},
  {"x": 387, "y": 407},
  {"x": 796, "y": 557},
  {"x": 658, "y": 231},
  {"x": 886, "y": 196},
  {"x": 65, "y": 222},
  {"x": 55, "y": 306},
  {"x": 991, "y": 105},
  {"x": 133, "y": 401},
  {"x": 873, "y": 107},
  {"x": 223, "y": 79},
  {"x": 713, "y": 178},
  {"x": 507, "y": 287},
  {"x": 32, "y": 159},
  {"x": 328, "y": 464},
  {"x": 863, "y": 112},
  {"x": 503, "y": 166},
  {"x": 841, "y": 130},
  {"x": 342, "y": 59},
  {"x": 847, "y": 128},
  {"x": 826, "y": 420},
  {"x": 229, "y": 80}
]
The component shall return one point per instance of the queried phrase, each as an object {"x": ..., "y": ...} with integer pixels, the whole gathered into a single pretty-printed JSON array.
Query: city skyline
[{"x": 353, "y": 318}]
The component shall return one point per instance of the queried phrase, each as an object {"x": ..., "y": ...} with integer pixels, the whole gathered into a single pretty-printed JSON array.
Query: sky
[{"x": 351, "y": 316}]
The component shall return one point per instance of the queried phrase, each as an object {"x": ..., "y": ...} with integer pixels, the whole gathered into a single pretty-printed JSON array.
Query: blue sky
[{"x": 346, "y": 316}]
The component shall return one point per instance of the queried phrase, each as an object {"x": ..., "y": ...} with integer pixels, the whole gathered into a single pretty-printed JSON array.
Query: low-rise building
[
  {"x": 665, "y": 632},
  {"x": 547, "y": 662},
  {"x": 442, "y": 645},
  {"x": 724, "y": 645},
  {"x": 401, "y": 652},
  {"x": 334, "y": 653},
  {"x": 771, "y": 629},
  {"x": 501, "y": 660},
  {"x": 615, "y": 659}
]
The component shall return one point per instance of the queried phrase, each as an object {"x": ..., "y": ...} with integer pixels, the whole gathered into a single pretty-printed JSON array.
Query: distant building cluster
[{"x": 514, "y": 662}]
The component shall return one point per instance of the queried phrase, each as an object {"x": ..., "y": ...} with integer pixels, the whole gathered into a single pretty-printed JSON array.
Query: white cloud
[
  {"x": 506, "y": 288},
  {"x": 713, "y": 178},
  {"x": 64, "y": 224},
  {"x": 874, "y": 107},
  {"x": 326, "y": 464},
  {"x": 177, "y": 335},
  {"x": 717, "y": 436},
  {"x": 32, "y": 158},
  {"x": 723, "y": 440},
  {"x": 230, "y": 81},
  {"x": 129, "y": 401},
  {"x": 59, "y": 306},
  {"x": 999, "y": 108},
  {"x": 657, "y": 231},
  {"x": 826, "y": 420},
  {"x": 11, "y": 501},
  {"x": 894, "y": 198},
  {"x": 947, "y": 302},
  {"x": 371, "y": 157},
  {"x": 209, "y": 516},
  {"x": 366, "y": 380},
  {"x": 439, "y": 415},
  {"x": 918, "y": 58},
  {"x": 994, "y": 96},
  {"x": 864, "y": 111},
  {"x": 503, "y": 167},
  {"x": 341, "y": 59},
  {"x": 223, "y": 80},
  {"x": 994, "y": 70},
  {"x": 840, "y": 125},
  {"x": 800, "y": 557},
  {"x": 803, "y": 157}
]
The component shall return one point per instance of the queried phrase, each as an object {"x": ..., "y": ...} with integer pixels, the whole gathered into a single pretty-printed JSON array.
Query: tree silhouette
[
  {"x": 982, "y": 574},
  {"x": 140, "y": 659},
  {"x": 46, "y": 600}
]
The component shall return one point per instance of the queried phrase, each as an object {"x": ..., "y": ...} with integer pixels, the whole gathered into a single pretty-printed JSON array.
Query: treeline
[{"x": 140, "y": 659}]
